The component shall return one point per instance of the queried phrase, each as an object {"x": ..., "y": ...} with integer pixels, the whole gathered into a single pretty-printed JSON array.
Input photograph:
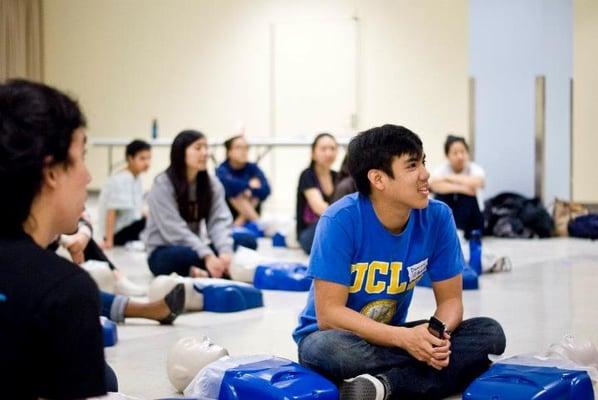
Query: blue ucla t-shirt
[{"x": 381, "y": 269}]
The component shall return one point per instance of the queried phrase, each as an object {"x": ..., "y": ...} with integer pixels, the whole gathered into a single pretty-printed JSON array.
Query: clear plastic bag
[
  {"x": 570, "y": 353},
  {"x": 206, "y": 384}
]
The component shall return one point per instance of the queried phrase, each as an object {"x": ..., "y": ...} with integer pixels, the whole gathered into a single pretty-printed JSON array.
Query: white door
[
  {"x": 314, "y": 77},
  {"x": 314, "y": 84}
]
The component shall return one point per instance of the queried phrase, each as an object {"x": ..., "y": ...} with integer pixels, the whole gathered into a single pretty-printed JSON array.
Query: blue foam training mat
[
  {"x": 109, "y": 332},
  {"x": 282, "y": 276},
  {"x": 279, "y": 240},
  {"x": 255, "y": 228},
  {"x": 522, "y": 382},
  {"x": 275, "y": 379},
  {"x": 470, "y": 279},
  {"x": 229, "y": 298}
]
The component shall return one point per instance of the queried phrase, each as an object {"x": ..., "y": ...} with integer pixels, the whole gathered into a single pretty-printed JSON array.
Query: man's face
[
  {"x": 409, "y": 187},
  {"x": 140, "y": 162}
]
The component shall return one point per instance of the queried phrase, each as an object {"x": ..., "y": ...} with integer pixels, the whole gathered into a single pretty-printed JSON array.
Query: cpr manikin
[
  {"x": 244, "y": 263},
  {"x": 188, "y": 356},
  {"x": 242, "y": 269},
  {"x": 205, "y": 371},
  {"x": 570, "y": 353},
  {"x": 194, "y": 299},
  {"x": 102, "y": 274}
]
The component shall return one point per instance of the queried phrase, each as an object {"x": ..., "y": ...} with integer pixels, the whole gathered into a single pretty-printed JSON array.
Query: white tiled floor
[{"x": 552, "y": 291}]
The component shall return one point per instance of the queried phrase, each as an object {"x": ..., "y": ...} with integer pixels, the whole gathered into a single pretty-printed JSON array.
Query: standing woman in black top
[
  {"x": 316, "y": 187},
  {"x": 50, "y": 335}
]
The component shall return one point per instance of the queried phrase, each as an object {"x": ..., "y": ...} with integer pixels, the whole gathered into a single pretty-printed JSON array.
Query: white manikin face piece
[
  {"x": 101, "y": 273},
  {"x": 580, "y": 351},
  {"x": 244, "y": 263},
  {"x": 188, "y": 356}
]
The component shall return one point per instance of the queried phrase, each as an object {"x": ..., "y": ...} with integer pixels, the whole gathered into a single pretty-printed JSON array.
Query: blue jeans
[
  {"x": 340, "y": 355},
  {"x": 306, "y": 238},
  {"x": 113, "y": 306},
  {"x": 466, "y": 211},
  {"x": 165, "y": 260}
]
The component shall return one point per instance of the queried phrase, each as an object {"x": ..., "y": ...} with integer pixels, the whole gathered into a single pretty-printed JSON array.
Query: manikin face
[
  {"x": 68, "y": 185},
  {"x": 188, "y": 356},
  {"x": 409, "y": 188},
  {"x": 580, "y": 351},
  {"x": 196, "y": 155},
  {"x": 325, "y": 151},
  {"x": 140, "y": 162},
  {"x": 239, "y": 151},
  {"x": 458, "y": 156}
]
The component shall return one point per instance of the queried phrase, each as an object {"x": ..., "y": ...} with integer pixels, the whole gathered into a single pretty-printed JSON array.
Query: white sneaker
[
  {"x": 502, "y": 264},
  {"x": 127, "y": 288},
  {"x": 135, "y": 245},
  {"x": 362, "y": 387}
]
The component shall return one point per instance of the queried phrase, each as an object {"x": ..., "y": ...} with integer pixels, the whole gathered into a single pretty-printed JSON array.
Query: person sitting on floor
[
  {"x": 244, "y": 182},
  {"x": 120, "y": 208},
  {"x": 50, "y": 336},
  {"x": 189, "y": 226},
  {"x": 315, "y": 188},
  {"x": 82, "y": 247},
  {"x": 459, "y": 183},
  {"x": 345, "y": 182},
  {"x": 369, "y": 251},
  {"x": 118, "y": 306}
]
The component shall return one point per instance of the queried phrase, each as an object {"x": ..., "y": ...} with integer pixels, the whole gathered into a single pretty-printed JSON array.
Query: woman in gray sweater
[{"x": 189, "y": 225}]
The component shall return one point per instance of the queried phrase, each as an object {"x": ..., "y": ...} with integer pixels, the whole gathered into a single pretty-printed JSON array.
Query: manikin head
[
  {"x": 188, "y": 356},
  {"x": 579, "y": 350}
]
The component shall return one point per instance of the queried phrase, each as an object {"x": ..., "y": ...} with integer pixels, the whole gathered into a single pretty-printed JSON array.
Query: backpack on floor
[{"x": 585, "y": 226}]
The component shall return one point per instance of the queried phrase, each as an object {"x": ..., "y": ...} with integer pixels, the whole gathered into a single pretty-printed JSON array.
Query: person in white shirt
[
  {"x": 459, "y": 183},
  {"x": 121, "y": 218}
]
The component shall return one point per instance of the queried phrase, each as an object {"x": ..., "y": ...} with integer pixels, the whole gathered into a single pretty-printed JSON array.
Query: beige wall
[
  {"x": 206, "y": 64},
  {"x": 585, "y": 101}
]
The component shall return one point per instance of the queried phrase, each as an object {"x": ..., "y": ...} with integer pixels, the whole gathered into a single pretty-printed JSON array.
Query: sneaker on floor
[
  {"x": 175, "y": 300},
  {"x": 362, "y": 387},
  {"x": 135, "y": 245},
  {"x": 502, "y": 264},
  {"x": 127, "y": 288}
]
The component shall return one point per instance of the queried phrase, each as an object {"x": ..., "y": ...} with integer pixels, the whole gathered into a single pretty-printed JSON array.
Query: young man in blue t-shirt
[{"x": 370, "y": 250}]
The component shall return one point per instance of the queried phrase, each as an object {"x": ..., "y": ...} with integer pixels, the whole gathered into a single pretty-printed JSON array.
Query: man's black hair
[
  {"x": 376, "y": 148},
  {"x": 135, "y": 147}
]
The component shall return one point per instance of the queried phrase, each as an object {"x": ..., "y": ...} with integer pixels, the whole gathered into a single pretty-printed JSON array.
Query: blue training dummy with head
[{"x": 203, "y": 370}]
